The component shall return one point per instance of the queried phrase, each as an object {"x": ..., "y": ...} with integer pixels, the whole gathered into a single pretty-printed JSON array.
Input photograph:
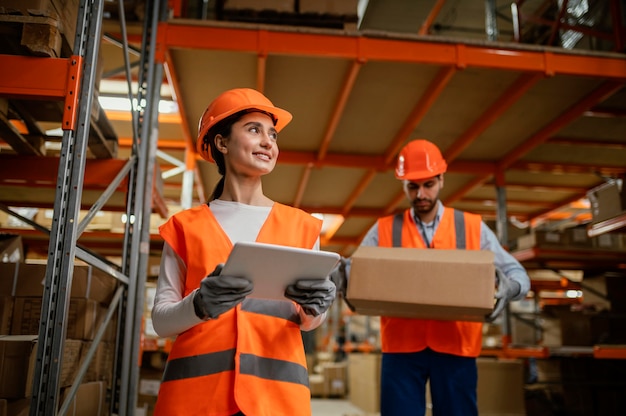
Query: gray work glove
[
  {"x": 314, "y": 295},
  {"x": 340, "y": 276},
  {"x": 507, "y": 290},
  {"x": 218, "y": 294}
]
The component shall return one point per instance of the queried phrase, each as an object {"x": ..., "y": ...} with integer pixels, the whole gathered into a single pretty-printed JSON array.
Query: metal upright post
[
  {"x": 64, "y": 231},
  {"x": 139, "y": 208}
]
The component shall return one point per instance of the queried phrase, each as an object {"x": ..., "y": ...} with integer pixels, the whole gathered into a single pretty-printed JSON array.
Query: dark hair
[{"x": 223, "y": 128}]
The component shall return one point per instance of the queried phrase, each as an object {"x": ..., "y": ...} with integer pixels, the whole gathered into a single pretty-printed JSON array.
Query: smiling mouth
[{"x": 263, "y": 156}]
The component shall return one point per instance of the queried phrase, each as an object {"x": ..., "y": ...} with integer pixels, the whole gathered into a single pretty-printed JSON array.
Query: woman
[{"x": 235, "y": 355}]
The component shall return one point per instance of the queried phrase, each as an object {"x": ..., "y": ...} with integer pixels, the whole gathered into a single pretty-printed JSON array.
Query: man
[{"x": 443, "y": 352}]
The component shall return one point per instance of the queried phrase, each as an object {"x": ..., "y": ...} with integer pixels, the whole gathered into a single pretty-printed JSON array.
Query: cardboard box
[
  {"x": 82, "y": 317},
  {"x": 19, "y": 407},
  {"x": 316, "y": 385},
  {"x": 335, "y": 379},
  {"x": 6, "y": 314},
  {"x": 27, "y": 280},
  {"x": 539, "y": 238},
  {"x": 100, "y": 367},
  {"x": 332, "y": 7},
  {"x": 608, "y": 289},
  {"x": 18, "y": 354},
  {"x": 364, "y": 381},
  {"x": 427, "y": 284},
  {"x": 287, "y": 6},
  {"x": 500, "y": 387},
  {"x": 607, "y": 201},
  {"x": 89, "y": 400},
  {"x": 11, "y": 248}
]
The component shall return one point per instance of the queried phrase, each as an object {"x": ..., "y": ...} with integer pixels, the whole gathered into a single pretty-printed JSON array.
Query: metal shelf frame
[{"x": 72, "y": 80}]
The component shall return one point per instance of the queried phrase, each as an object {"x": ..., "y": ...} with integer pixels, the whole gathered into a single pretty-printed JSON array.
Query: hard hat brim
[{"x": 283, "y": 117}]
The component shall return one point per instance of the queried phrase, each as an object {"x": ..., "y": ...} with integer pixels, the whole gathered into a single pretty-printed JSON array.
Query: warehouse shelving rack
[{"x": 72, "y": 80}]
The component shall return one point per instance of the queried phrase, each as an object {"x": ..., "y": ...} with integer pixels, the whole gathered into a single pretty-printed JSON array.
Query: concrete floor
[{"x": 335, "y": 407}]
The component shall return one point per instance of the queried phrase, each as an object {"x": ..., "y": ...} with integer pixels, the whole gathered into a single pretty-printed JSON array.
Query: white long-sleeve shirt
[{"x": 174, "y": 313}]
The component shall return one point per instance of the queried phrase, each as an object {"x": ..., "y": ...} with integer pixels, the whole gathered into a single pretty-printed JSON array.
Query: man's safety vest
[
  {"x": 456, "y": 229},
  {"x": 251, "y": 358}
]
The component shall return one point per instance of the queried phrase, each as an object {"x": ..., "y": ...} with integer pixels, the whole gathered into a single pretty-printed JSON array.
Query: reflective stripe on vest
[
  {"x": 216, "y": 362},
  {"x": 212, "y": 363}
]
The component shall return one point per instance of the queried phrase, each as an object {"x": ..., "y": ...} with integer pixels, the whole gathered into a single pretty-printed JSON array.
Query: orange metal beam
[
  {"x": 201, "y": 35},
  {"x": 419, "y": 111},
  {"x": 42, "y": 171},
  {"x": 567, "y": 168},
  {"x": 21, "y": 77},
  {"x": 431, "y": 17},
  {"x": 360, "y": 188},
  {"x": 600, "y": 94},
  {"x": 566, "y": 141},
  {"x": 163, "y": 143},
  {"x": 190, "y": 159},
  {"x": 468, "y": 187},
  {"x": 332, "y": 126},
  {"x": 340, "y": 106},
  {"x": 304, "y": 180},
  {"x": 517, "y": 89},
  {"x": 610, "y": 351}
]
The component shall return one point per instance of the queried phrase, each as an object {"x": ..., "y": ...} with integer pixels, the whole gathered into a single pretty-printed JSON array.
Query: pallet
[{"x": 30, "y": 35}]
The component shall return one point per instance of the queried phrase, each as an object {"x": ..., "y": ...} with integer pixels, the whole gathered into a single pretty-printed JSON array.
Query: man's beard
[{"x": 421, "y": 208}]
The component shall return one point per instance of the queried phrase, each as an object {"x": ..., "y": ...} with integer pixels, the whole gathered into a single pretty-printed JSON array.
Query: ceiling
[{"x": 543, "y": 123}]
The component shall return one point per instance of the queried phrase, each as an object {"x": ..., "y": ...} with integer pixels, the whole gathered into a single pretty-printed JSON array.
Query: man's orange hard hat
[
  {"x": 420, "y": 159},
  {"x": 231, "y": 102}
]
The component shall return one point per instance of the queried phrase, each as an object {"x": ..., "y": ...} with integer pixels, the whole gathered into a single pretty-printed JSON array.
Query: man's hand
[
  {"x": 218, "y": 294},
  {"x": 315, "y": 296},
  {"x": 340, "y": 277},
  {"x": 507, "y": 290}
]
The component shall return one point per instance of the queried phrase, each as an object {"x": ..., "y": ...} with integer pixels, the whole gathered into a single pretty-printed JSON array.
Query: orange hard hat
[
  {"x": 231, "y": 102},
  {"x": 420, "y": 159}
]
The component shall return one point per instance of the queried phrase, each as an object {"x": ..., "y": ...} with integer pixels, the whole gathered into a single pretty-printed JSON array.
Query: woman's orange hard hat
[{"x": 231, "y": 102}]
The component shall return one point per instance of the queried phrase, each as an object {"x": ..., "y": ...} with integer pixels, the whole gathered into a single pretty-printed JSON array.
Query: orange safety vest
[
  {"x": 456, "y": 230},
  {"x": 251, "y": 358}
]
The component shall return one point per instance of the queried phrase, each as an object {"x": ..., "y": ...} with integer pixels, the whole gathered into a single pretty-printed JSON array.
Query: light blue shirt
[{"x": 503, "y": 260}]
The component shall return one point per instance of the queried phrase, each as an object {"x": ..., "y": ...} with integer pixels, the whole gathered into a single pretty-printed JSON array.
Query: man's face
[{"x": 423, "y": 194}]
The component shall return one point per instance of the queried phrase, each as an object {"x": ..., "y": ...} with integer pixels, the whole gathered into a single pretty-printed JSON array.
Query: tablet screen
[{"x": 273, "y": 267}]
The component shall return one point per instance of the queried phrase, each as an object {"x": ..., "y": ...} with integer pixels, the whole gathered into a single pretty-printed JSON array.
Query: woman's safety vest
[
  {"x": 251, "y": 358},
  {"x": 456, "y": 229}
]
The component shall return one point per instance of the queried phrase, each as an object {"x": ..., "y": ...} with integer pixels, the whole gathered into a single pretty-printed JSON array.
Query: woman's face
[{"x": 251, "y": 149}]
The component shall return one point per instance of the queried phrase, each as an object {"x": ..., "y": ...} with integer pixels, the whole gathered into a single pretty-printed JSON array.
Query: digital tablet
[{"x": 272, "y": 267}]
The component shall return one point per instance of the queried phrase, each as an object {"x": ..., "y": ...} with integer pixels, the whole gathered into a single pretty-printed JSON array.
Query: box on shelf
[
  {"x": 11, "y": 248},
  {"x": 27, "y": 280},
  {"x": 83, "y": 318},
  {"x": 6, "y": 314},
  {"x": 287, "y": 6},
  {"x": 89, "y": 400},
  {"x": 18, "y": 354},
  {"x": 607, "y": 201},
  {"x": 429, "y": 284},
  {"x": 332, "y": 7},
  {"x": 541, "y": 238},
  {"x": 605, "y": 291}
]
